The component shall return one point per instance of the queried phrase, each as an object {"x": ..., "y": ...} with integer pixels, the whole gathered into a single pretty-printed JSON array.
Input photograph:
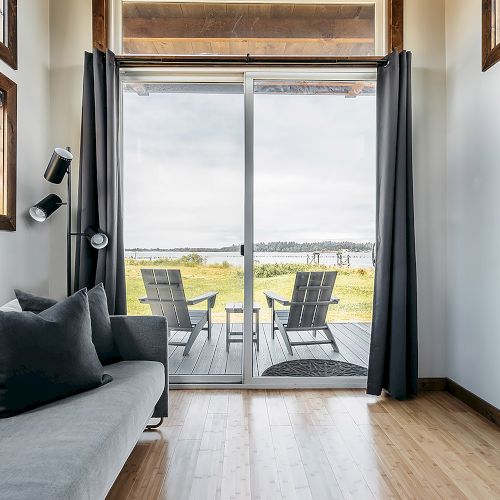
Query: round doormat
[{"x": 315, "y": 368}]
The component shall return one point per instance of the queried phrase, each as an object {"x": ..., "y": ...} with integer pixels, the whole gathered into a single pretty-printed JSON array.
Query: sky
[{"x": 314, "y": 161}]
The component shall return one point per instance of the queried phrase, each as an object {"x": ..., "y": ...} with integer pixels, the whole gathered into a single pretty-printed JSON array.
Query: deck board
[{"x": 210, "y": 356}]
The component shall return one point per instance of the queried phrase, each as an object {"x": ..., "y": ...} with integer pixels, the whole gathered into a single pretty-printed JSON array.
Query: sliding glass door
[
  {"x": 311, "y": 227},
  {"x": 183, "y": 144},
  {"x": 249, "y": 221}
]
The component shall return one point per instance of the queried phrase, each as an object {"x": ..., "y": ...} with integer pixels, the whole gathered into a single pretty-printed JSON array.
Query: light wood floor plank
[
  {"x": 320, "y": 476},
  {"x": 207, "y": 478},
  {"x": 311, "y": 445},
  {"x": 180, "y": 475},
  {"x": 291, "y": 474}
]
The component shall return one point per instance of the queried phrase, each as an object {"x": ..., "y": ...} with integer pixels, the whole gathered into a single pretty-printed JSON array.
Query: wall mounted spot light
[
  {"x": 59, "y": 167},
  {"x": 45, "y": 208}
]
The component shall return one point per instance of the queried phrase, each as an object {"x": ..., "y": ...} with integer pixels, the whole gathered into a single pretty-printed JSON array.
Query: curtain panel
[
  {"x": 393, "y": 362},
  {"x": 100, "y": 192}
]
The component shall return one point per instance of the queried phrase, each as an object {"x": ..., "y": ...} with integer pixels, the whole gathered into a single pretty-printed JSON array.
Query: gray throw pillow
[
  {"x": 48, "y": 356},
  {"x": 102, "y": 335}
]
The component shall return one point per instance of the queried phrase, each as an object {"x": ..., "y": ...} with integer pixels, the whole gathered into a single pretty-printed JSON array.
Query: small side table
[{"x": 237, "y": 308}]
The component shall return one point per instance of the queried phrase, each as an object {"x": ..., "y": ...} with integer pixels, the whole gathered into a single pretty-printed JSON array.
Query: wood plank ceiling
[{"x": 257, "y": 29}]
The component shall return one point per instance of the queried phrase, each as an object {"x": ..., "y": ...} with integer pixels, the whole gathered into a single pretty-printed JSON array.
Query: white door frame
[
  {"x": 185, "y": 75},
  {"x": 240, "y": 75},
  {"x": 249, "y": 379}
]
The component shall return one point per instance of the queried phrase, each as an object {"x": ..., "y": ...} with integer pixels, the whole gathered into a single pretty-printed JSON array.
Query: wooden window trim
[
  {"x": 100, "y": 24},
  {"x": 101, "y": 15},
  {"x": 9, "y": 88},
  {"x": 8, "y": 53},
  {"x": 395, "y": 25},
  {"x": 491, "y": 55}
]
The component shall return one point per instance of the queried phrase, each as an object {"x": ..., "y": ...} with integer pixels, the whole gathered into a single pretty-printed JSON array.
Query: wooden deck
[{"x": 209, "y": 357}]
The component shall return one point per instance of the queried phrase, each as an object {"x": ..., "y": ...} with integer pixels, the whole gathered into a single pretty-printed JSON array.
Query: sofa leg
[{"x": 154, "y": 426}]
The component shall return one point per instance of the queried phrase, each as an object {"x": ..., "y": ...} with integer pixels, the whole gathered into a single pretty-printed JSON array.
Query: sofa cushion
[
  {"x": 75, "y": 448},
  {"x": 13, "y": 305},
  {"x": 47, "y": 356},
  {"x": 102, "y": 335},
  {"x": 33, "y": 303}
]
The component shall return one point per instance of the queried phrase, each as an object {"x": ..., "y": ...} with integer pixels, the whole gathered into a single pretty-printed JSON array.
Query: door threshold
[{"x": 282, "y": 383}]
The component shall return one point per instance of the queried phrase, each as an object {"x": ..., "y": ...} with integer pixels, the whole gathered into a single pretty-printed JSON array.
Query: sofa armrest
[{"x": 144, "y": 338}]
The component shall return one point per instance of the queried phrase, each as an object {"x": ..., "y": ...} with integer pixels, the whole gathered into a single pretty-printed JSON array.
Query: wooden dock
[{"x": 209, "y": 357}]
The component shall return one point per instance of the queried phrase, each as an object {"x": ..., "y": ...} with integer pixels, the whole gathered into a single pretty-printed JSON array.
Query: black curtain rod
[{"x": 131, "y": 61}]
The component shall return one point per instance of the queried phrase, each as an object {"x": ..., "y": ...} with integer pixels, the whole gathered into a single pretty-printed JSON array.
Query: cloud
[{"x": 184, "y": 169}]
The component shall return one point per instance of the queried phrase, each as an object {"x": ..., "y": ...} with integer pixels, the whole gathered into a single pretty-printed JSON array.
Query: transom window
[{"x": 346, "y": 28}]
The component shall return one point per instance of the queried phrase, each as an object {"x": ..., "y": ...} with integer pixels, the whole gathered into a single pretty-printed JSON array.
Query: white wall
[
  {"x": 52, "y": 38},
  {"x": 473, "y": 179},
  {"x": 70, "y": 37},
  {"x": 24, "y": 253},
  {"x": 424, "y": 37},
  {"x": 456, "y": 167}
]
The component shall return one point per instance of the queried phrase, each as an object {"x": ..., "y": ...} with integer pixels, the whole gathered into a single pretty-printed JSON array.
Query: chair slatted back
[
  {"x": 310, "y": 291},
  {"x": 165, "y": 290}
]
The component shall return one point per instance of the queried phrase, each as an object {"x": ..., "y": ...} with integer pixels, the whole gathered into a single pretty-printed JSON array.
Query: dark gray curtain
[
  {"x": 394, "y": 350},
  {"x": 100, "y": 181}
]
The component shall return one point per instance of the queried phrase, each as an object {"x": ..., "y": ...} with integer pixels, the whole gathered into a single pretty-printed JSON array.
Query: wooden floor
[
  {"x": 209, "y": 357},
  {"x": 313, "y": 444}
]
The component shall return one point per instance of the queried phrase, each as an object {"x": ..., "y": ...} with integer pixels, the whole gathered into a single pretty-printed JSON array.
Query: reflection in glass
[
  {"x": 3, "y": 21},
  {"x": 3, "y": 173},
  {"x": 496, "y": 22}
]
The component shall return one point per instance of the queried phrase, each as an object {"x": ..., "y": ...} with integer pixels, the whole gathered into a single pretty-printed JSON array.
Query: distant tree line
[{"x": 274, "y": 246}]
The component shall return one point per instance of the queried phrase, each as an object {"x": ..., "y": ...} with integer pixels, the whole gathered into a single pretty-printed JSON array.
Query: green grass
[{"x": 354, "y": 287}]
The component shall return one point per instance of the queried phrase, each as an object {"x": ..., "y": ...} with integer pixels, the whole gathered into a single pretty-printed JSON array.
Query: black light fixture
[
  {"x": 60, "y": 166},
  {"x": 45, "y": 208},
  {"x": 95, "y": 236}
]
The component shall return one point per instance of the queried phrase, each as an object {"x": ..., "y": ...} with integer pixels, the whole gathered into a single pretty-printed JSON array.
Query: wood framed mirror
[
  {"x": 8, "y": 153},
  {"x": 491, "y": 33},
  {"x": 8, "y": 32}
]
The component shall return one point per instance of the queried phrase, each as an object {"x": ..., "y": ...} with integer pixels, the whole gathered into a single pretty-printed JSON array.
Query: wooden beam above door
[{"x": 268, "y": 29}]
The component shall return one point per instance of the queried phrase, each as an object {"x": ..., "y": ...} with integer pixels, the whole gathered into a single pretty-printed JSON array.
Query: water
[{"x": 356, "y": 259}]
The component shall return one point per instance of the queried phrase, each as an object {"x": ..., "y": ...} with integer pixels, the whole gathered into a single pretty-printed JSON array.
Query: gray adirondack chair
[
  {"x": 311, "y": 297},
  {"x": 165, "y": 294}
]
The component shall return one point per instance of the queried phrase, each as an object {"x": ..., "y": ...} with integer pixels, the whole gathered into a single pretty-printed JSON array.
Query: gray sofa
[{"x": 75, "y": 448}]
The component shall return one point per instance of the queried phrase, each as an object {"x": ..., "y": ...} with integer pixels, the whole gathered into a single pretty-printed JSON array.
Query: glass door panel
[
  {"x": 183, "y": 149},
  {"x": 314, "y": 223}
]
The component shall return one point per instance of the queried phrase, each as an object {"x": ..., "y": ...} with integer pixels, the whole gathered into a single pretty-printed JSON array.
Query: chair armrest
[
  {"x": 315, "y": 302},
  {"x": 144, "y": 338},
  {"x": 271, "y": 297},
  {"x": 209, "y": 296}
]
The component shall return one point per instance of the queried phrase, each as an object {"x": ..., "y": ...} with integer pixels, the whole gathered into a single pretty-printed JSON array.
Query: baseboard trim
[
  {"x": 487, "y": 410},
  {"x": 432, "y": 384}
]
